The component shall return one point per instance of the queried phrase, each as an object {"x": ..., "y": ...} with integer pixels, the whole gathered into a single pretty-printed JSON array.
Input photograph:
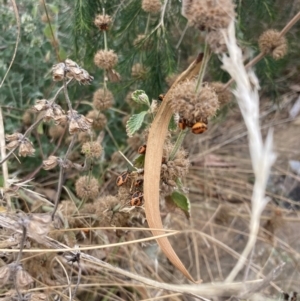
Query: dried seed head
[
  {"x": 56, "y": 131},
  {"x": 58, "y": 72},
  {"x": 224, "y": 95},
  {"x": 99, "y": 119},
  {"x": 38, "y": 226},
  {"x": 215, "y": 40},
  {"x": 103, "y": 99},
  {"x": 41, "y": 104},
  {"x": 50, "y": 163},
  {"x": 4, "y": 275},
  {"x": 13, "y": 137},
  {"x": 26, "y": 148},
  {"x": 151, "y": 6},
  {"x": 208, "y": 14},
  {"x": 191, "y": 106},
  {"x": 23, "y": 279},
  {"x": 86, "y": 136},
  {"x": 87, "y": 187},
  {"x": 271, "y": 42},
  {"x": 102, "y": 21},
  {"x": 138, "y": 71},
  {"x": 105, "y": 59},
  {"x": 78, "y": 122},
  {"x": 92, "y": 150}
]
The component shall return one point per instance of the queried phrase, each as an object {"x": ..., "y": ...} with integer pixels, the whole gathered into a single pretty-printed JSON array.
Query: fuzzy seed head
[
  {"x": 103, "y": 99},
  {"x": 99, "y": 119},
  {"x": 138, "y": 71},
  {"x": 102, "y": 22},
  {"x": 151, "y": 6},
  {"x": 87, "y": 187},
  {"x": 208, "y": 14},
  {"x": 105, "y": 59},
  {"x": 86, "y": 136},
  {"x": 272, "y": 43},
  {"x": 191, "y": 106},
  {"x": 56, "y": 131},
  {"x": 92, "y": 150},
  {"x": 27, "y": 117},
  {"x": 224, "y": 95},
  {"x": 215, "y": 40}
]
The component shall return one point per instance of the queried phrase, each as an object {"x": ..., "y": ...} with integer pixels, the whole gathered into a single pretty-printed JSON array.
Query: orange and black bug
[
  {"x": 161, "y": 97},
  {"x": 182, "y": 123},
  {"x": 137, "y": 199},
  {"x": 199, "y": 128},
  {"x": 139, "y": 182},
  {"x": 122, "y": 178},
  {"x": 142, "y": 149}
]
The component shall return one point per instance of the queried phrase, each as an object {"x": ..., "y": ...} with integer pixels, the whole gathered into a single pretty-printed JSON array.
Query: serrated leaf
[
  {"x": 135, "y": 122},
  {"x": 139, "y": 161},
  {"x": 182, "y": 202},
  {"x": 141, "y": 97}
]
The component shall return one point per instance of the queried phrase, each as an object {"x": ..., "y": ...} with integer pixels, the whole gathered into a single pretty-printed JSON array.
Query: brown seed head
[
  {"x": 224, "y": 95},
  {"x": 78, "y": 123},
  {"x": 138, "y": 71},
  {"x": 56, "y": 131},
  {"x": 103, "y": 99},
  {"x": 87, "y": 187},
  {"x": 215, "y": 40},
  {"x": 102, "y": 22},
  {"x": 99, "y": 119},
  {"x": 151, "y": 6},
  {"x": 26, "y": 148},
  {"x": 191, "y": 106},
  {"x": 27, "y": 117},
  {"x": 105, "y": 59},
  {"x": 208, "y": 14},
  {"x": 271, "y": 42},
  {"x": 50, "y": 163},
  {"x": 92, "y": 150}
]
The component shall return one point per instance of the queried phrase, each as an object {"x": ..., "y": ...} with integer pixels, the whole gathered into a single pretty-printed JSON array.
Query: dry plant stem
[
  {"x": 67, "y": 96},
  {"x": 61, "y": 177},
  {"x": 283, "y": 32},
  {"x": 78, "y": 280},
  {"x": 67, "y": 276},
  {"x": 21, "y": 244},
  {"x": 156, "y": 139},
  {"x": 261, "y": 153},
  {"x": 3, "y": 155},
  {"x": 13, "y": 2},
  {"x": 178, "y": 143}
]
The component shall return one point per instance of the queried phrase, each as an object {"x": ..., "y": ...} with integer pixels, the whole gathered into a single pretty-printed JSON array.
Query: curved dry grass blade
[{"x": 156, "y": 138}]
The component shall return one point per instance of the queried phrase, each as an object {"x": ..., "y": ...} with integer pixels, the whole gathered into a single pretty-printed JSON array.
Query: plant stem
[
  {"x": 178, "y": 143},
  {"x": 202, "y": 68}
]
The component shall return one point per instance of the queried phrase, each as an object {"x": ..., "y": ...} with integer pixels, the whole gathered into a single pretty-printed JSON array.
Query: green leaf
[
  {"x": 172, "y": 124},
  {"x": 139, "y": 161},
  {"x": 182, "y": 202},
  {"x": 40, "y": 129},
  {"x": 141, "y": 97},
  {"x": 48, "y": 33},
  {"x": 135, "y": 122}
]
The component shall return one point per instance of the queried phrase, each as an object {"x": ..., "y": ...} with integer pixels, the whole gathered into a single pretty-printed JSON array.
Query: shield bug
[
  {"x": 122, "y": 178},
  {"x": 142, "y": 149},
  {"x": 199, "y": 128},
  {"x": 137, "y": 199}
]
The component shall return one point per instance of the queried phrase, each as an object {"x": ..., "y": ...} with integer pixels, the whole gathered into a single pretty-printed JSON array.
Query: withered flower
[
  {"x": 23, "y": 279},
  {"x": 26, "y": 148},
  {"x": 58, "y": 72},
  {"x": 13, "y": 137},
  {"x": 4, "y": 275},
  {"x": 41, "y": 104},
  {"x": 78, "y": 122},
  {"x": 61, "y": 119},
  {"x": 102, "y": 22},
  {"x": 50, "y": 163}
]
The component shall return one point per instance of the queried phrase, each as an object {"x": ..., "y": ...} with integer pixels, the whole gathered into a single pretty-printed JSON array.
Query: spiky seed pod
[
  {"x": 215, "y": 40},
  {"x": 102, "y": 22},
  {"x": 56, "y": 131},
  {"x": 271, "y": 42},
  {"x": 92, "y": 150},
  {"x": 191, "y": 106},
  {"x": 87, "y": 187},
  {"x": 151, "y": 6},
  {"x": 224, "y": 95},
  {"x": 99, "y": 119},
  {"x": 138, "y": 71},
  {"x": 105, "y": 59},
  {"x": 103, "y": 99},
  {"x": 208, "y": 14}
]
